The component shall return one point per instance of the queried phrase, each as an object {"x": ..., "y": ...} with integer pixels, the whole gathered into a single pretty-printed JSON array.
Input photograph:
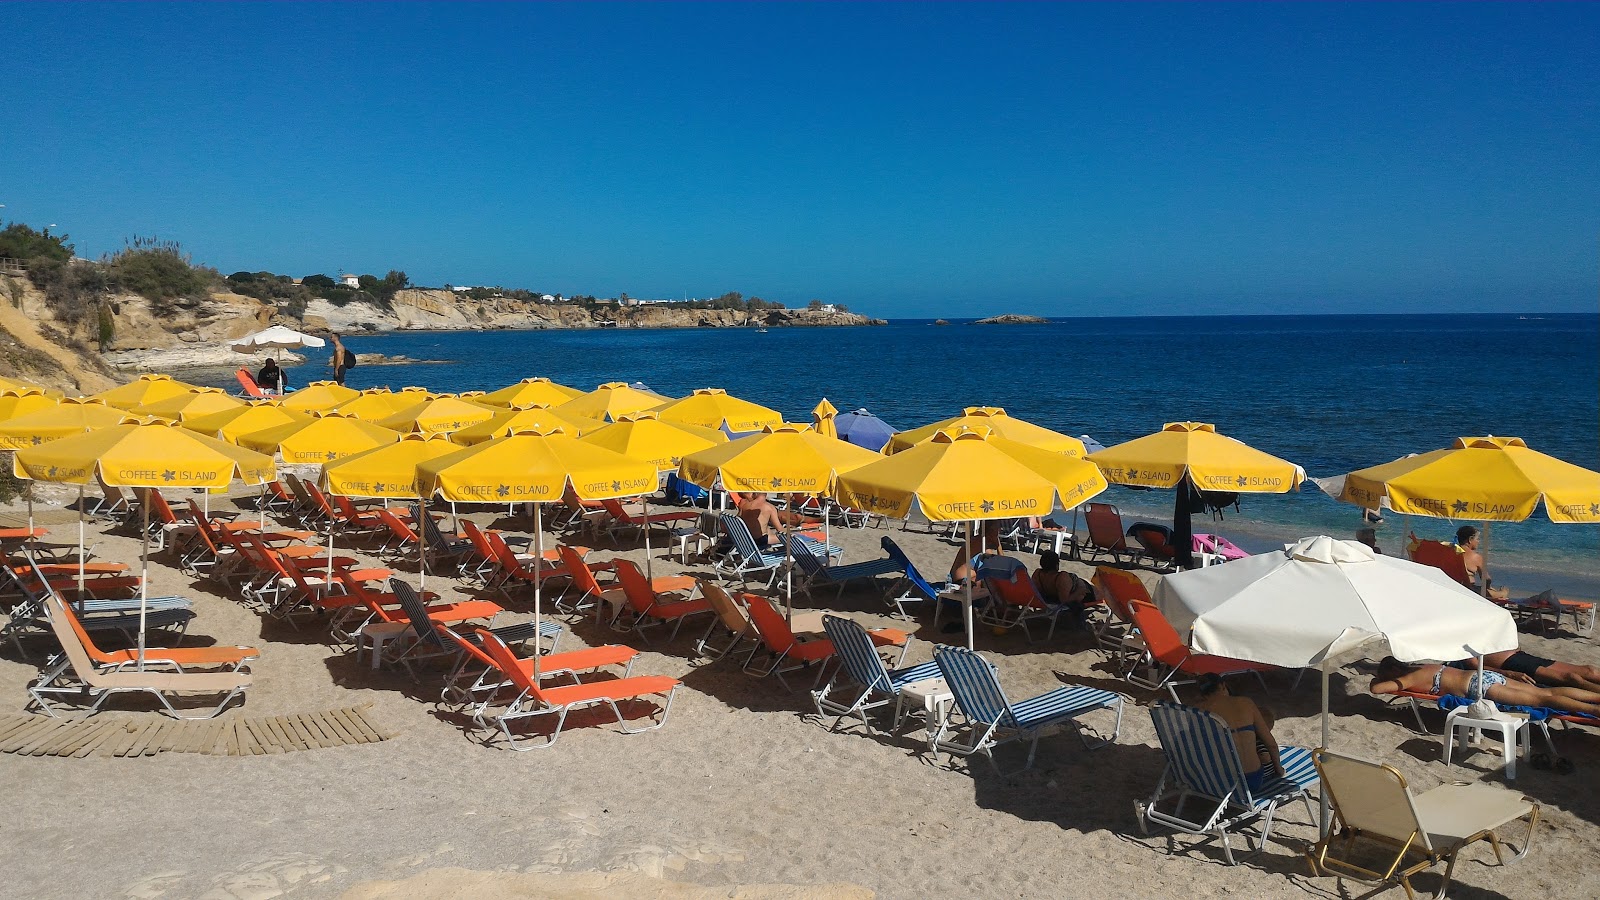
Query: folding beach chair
[
  {"x": 912, "y": 588},
  {"x": 814, "y": 571},
  {"x": 1015, "y": 600},
  {"x": 177, "y": 659},
  {"x": 30, "y": 614},
  {"x": 535, "y": 700},
  {"x": 730, "y": 615},
  {"x": 1373, "y": 804},
  {"x": 1203, "y": 768},
  {"x": 1171, "y": 658},
  {"x": 647, "y": 605},
  {"x": 1106, "y": 536},
  {"x": 428, "y": 624},
  {"x": 82, "y": 681},
  {"x": 863, "y": 680},
  {"x": 743, "y": 558},
  {"x": 989, "y": 719}
]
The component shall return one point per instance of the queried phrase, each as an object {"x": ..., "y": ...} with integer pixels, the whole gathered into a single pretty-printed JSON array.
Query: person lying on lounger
[
  {"x": 1394, "y": 677},
  {"x": 1530, "y": 669}
]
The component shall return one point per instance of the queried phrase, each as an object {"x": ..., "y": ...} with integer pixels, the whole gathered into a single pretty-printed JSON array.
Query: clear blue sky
[{"x": 921, "y": 159}]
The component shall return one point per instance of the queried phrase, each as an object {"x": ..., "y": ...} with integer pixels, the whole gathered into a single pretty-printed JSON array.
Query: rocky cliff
[
  {"x": 37, "y": 344},
  {"x": 444, "y": 311}
]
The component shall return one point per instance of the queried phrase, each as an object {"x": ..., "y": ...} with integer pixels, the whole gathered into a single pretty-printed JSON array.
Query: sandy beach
[{"x": 744, "y": 793}]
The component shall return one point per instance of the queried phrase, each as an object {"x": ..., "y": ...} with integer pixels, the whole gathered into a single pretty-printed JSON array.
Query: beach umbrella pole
[
  {"x": 144, "y": 577},
  {"x": 649, "y": 572},
  {"x": 1322, "y": 819},
  {"x": 80, "y": 550},
  {"x": 538, "y": 609},
  {"x": 967, "y": 604}
]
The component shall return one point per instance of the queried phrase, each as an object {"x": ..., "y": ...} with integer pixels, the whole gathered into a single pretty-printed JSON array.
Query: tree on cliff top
[{"x": 18, "y": 241}]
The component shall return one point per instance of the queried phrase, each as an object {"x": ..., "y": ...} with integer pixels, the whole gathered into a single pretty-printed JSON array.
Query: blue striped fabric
[
  {"x": 744, "y": 543},
  {"x": 812, "y": 565},
  {"x": 805, "y": 559},
  {"x": 972, "y": 680},
  {"x": 1061, "y": 703},
  {"x": 857, "y": 654},
  {"x": 1204, "y": 758}
]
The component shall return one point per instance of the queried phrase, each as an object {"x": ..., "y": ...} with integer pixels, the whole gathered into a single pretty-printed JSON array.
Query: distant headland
[{"x": 1013, "y": 319}]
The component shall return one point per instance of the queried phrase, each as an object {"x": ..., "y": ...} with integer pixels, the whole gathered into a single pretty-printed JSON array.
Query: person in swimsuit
[
  {"x": 1394, "y": 677},
  {"x": 1252, "y": 732},
  {"x": 761, "y": 516},
  {"x": 1472, "y": 561},
  {"x": 1530, "y": 669}
]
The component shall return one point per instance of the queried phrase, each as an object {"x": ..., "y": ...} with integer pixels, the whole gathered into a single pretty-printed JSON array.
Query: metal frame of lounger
[
  {"x": 814, "y": 572},
  {"x": 534, "y": 701},
  {"x": 746, "y": 558},
  {"x": 861, "y": 668},
  {"x": 993, "y": 720},
  {"x": 913, "y": 587},
  {"x": 30, "y": 614},
  {"x": 102, "y": 685},
  {"x": 1372, "y": 802},
  {"x": 1203, "y": 765},
  {"x": 437, "y": 546},
  {"x": 730, "y": 614},
  {"x": 428, "y": 633}
]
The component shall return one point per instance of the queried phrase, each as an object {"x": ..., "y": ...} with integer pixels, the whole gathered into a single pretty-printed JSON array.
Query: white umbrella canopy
[
  {"x": 276, "y": 337},
  {"x": 1321, "y": 597}
]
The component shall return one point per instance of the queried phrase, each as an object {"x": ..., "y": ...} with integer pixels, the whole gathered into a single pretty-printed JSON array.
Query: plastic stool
[{"x": 1513, "y": 735}]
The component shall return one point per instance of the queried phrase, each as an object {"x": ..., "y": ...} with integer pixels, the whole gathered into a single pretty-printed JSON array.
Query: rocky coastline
[{"x": 1013, "y": 319}]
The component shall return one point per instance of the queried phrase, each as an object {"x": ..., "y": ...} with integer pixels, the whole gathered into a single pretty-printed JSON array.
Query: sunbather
[
  {"x": 1056, "y": 586},
  {"x": 760, "y": 515},
  {"x": 1472, "y": 560},
  {"x": 1395, "y": 677},
  {"x": 1251, "y": 730},
  {"x": 1530, "y": 669}
]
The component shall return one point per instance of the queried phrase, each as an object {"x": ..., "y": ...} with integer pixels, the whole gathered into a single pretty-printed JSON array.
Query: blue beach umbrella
[{"x": 864, "y": 429}]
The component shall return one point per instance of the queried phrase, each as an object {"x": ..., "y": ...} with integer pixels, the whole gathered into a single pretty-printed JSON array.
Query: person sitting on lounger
[
  {"x": 761, "y": 516},
  {"x": 972, "y": 549},
  {"x": 1395, "y": 677},
  {"x": 1530, "y": 669},
  {"x": 1250, "y": 729},
  {"x": 1065, "y": 590},
  {"x": 271, "y": 378},
  {"x": 1477, "y": 569}
]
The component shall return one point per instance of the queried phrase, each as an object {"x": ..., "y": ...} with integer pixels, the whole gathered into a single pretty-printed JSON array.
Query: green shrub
[
  {"x": 158, "y": 270},
  {"x": 18, "y": 241}
]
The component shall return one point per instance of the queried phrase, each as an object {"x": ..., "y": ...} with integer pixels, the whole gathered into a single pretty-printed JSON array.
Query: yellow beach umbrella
[
  {"x": 149, "y": 455},
  {"x": 610, "y": 400},
  {"x": 319, "y": 396},
  {"x": 1213, "y": 462},
  {"x": 966, "y": 474},
  {"x": 63, "y": 419},
  {"x": 716, "y": 408},
  {"x": 376, "y": 403},
  {"x": 783, "y": 458},
  {"x": 534, "y": 468},
  {"x": 321, "y": 439},
  {"x": 20, "y": 401},
  {"x": 439, "y": 415},
  {"x": 17, "y": 384},
  {"x": 996, "y": 420},
  {"x": 198, "y": 402},
  {"x": 1486, "y": 479},
  {"x": 531, "y": 467},
  {"x": 144, "y": 389},
  {"x": 644, "y": 436},
  {"x": 1189, "y": 456},
  {"x": 530, "y": 392},
  {"x": 229, "y": 424},
  {"x": 389, "y": 471},
  {"x": 822, "y": 419},
  {"x": 537, "y": 419}
]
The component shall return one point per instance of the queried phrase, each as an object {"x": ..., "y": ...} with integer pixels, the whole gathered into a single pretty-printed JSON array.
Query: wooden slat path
[{"x": 27, "y": 735}]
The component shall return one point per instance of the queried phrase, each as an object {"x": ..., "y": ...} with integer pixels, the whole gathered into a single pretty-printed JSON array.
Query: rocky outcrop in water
[{"x": 1013, "y": 319}]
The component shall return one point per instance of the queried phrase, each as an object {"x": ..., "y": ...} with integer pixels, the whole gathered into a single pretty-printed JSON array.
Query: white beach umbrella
[
  {"x": 277, "y": 338},
  {"x": 1319, "y": 598}
]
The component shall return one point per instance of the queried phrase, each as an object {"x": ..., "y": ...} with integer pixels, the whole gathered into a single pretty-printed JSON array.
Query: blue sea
[{"x": 1332, "y": 393}]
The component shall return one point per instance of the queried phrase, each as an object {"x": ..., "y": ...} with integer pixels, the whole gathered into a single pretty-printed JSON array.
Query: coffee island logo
[
  {"x": 167, "y": 476},
  {"x": 516, "y": 492},
  {"x": 982, "y": 509},
  {"x": 1243, "y": 482},
  {"x": 776, "y": 483},
  {"x": 1138, "y": 476},
  {"x": 619, "y": 487},
  {"x": 874, "y": 502},
  {"x": 1080, "y": 489},
  {"x": 1576, "y": 511}
]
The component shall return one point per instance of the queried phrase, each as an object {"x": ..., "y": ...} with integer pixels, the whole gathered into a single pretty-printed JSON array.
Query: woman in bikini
[
  {"x": 1395, "y": 676},
  {"x": 1250, "y": 728}
]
